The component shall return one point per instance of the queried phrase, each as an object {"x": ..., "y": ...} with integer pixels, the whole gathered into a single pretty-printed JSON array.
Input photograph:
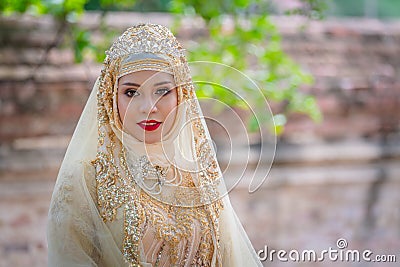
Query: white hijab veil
[{"x": 102, "y": 170}]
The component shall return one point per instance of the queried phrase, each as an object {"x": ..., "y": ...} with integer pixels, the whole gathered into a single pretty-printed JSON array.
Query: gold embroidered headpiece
[
  {"x": 162, "y": 52},
  {"x": 146, "y": 38}
]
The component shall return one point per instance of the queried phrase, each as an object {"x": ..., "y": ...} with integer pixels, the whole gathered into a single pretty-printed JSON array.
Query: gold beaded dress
[{"x": 121, "y": 202}]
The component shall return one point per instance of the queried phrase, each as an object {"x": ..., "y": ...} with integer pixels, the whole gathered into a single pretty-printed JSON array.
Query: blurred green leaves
[
  {"x": 82, "y": 43},
  {"x": 242, "y": 35},
  {"x": 59, "y": 9}
]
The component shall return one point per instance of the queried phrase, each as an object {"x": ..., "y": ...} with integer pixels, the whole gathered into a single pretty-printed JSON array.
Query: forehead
[{"x": 146, "y": 76}]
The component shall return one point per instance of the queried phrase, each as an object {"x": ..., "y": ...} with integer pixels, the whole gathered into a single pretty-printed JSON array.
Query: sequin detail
[{"x": 146, "y": 38}]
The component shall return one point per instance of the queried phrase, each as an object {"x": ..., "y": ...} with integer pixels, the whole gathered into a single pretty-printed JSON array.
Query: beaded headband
[{"x": 144, "y": 64}]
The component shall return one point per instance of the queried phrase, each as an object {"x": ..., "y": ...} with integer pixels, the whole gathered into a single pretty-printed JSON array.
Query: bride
[{"x": 140, "y": 184}]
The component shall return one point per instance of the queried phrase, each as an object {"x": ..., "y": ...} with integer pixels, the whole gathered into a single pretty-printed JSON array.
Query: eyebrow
[
  {"x": 138, "y": 85},
  {"x": 162, "y": 83},
  {"x": 131, "y": 84}
]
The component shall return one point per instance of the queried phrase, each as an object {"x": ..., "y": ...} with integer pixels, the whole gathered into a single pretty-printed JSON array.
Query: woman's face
[{"x": 147, "y": 102}]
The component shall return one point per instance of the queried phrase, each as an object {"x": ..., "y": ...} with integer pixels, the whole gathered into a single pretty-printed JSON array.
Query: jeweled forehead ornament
[{"x": 146, "y": 38}]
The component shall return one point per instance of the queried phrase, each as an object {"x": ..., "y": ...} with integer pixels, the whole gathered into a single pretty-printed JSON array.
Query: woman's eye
[
  {"x": 131, "y": 93},
  {"x": 163, "y": 91}
]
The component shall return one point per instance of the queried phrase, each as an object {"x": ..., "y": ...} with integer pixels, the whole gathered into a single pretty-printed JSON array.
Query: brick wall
[
  {"x": 356, "y": 70},
  {"x": 355, "y": 65}
]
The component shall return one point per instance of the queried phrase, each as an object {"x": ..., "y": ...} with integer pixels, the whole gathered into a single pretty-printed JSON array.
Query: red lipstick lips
[{"x": 149, "y": 125}]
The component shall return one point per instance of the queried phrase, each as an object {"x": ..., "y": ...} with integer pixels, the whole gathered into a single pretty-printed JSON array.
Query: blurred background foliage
[
  {"x": 240, "y": 34},
  {"x": 382, "y": 9}
]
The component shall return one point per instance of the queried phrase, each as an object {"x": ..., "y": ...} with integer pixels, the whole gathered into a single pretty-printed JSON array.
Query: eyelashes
[
  {"x": 131, "y": 93},
  {"x": 160, "y": 92},
  {"x": 163, "y": 91}
]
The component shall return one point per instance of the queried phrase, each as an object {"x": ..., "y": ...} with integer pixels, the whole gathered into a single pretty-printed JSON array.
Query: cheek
[
  {"x": 122, "y": 106},
  {"x": 169, "y": 108}
]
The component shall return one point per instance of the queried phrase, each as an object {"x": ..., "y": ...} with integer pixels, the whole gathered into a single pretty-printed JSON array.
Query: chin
[
  {"x": 149, "y": 142},
  {"x": 151, "y": 139}
]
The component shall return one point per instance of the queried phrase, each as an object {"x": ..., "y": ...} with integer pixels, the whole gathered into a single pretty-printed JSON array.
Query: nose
[{"x": 148, "y": 106}]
